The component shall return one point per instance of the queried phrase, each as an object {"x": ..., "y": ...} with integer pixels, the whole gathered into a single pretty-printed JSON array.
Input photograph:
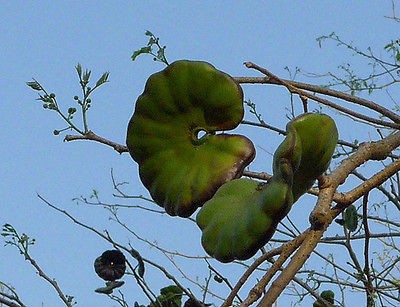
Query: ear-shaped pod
[
  {"x": 180, "y": 169},
  {"x": 318, "y": 136},
  {"x": 241, "y": 217},
  {"x": 243, "y": 214}
]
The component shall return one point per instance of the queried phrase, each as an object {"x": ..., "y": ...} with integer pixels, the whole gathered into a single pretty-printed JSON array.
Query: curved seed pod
[
  {"x": 318, "y": 136},
  {"x": 243, "y": 214},
  {"x": 242, "y": 217},
  {"x": 110, "y": 265},
  {"x": 180, "y": 169}
]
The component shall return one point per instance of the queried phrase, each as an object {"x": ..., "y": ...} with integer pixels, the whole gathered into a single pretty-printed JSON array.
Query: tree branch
[
  {"x": 51, "y": 281},
  {"x": 324, "y": 91},
  {"x": 91, "y": 136},
  {"x": 9, "y": 303},
  {"x": 326, "y": 102},
  {"x": 287, "y": 250},
  {"x": 345, "y": 199}
]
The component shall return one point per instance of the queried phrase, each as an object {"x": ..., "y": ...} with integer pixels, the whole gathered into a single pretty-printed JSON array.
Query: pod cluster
[
  {"x": 186, "y": 160},
  {"x": 243, "y": 214}
]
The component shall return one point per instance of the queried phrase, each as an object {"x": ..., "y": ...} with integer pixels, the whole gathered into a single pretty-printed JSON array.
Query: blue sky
[{"x": 46, "y": 39}]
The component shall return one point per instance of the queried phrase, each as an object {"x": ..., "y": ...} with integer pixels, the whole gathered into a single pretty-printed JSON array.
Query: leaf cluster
[
  {"x": 83, "y": 103},
  {"x": 153, "y": 48},
  {"x": 21, "y": 241},
  {"x": 385, "y": 70},
  {"x": 170, "y": 296}
]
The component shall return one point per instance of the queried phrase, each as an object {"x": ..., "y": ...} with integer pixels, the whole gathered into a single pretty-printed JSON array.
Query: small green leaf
[
  {"x": 34, "y": 85},
  {"x": 79, "y": 70},
  {"x": 148, "y": 33},
  {"x": 170, "y": 296},
  {"x": 160, "y": 53},
  {"x": 86, "y": 76},
  {"x": 351, "y": 218},
  {"x": 110, "y": 286},
  {"x": 152, "y": 41},
  {"x": 135, "y": 254},
  {"x": 328, "y": 295},
  {"x": 143, "y": 50},
  {"x": 103, "y": 79}
]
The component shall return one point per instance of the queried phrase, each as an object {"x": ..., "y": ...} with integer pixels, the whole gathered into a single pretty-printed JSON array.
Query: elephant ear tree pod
[
  {"x": 184, "y": 170},
  {"x": 110, "y": 266},
  {"x": 243, "y": 214},
  {"x": 181, "y": 168}
]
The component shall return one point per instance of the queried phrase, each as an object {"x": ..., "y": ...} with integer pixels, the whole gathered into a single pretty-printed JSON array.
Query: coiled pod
[{"x": 180, "y": 169}]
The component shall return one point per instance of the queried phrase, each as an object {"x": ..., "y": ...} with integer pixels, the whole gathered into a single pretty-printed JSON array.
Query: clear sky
[{"x": 46, "y": 39}]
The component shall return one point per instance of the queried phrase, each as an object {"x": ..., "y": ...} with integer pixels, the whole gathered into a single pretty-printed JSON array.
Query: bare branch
[
  {"x": 326, "y": 102},
  {"x": 375, "y": 181},
  {"x": 94, "y": 137},
  {"x": 9, "y": 303},
  {"x": 324, "y": 91}
]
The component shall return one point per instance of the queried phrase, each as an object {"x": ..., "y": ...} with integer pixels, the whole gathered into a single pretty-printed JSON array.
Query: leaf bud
[{"x": 71, "y": 110}]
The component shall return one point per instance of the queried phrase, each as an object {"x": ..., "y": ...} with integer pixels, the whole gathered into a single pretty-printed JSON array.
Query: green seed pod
[
  {"x": 318, "y": 135},
  {"x": 243, "y": 214},
  {"x": 181, "y": 170},
  {"x": 241, "y": 217}
]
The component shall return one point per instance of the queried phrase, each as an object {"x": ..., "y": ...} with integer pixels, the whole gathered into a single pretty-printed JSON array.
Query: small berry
[
  {"x": 52, "y": 95},
  {"x": 76, "y": 97}
]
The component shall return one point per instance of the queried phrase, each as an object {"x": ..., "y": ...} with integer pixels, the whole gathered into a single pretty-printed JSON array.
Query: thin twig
[
  {"x": 370, "y": 291},
  {"x": 108, "y": 239},
  {"x": 51, "y": 281},
  {"x": 8, "y": 303},
  {"x": 91, "y": 136}
]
